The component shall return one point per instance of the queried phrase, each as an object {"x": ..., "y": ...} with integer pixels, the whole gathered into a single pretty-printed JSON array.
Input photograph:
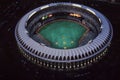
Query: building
[{"x": 63, "y": 36}]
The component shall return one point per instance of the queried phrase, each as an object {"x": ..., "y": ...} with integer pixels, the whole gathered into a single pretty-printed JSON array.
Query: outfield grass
[{"x": 63, "y": 34}]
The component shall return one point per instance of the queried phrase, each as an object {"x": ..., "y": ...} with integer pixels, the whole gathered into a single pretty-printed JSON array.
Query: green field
[{"x": 63, "y": 34}]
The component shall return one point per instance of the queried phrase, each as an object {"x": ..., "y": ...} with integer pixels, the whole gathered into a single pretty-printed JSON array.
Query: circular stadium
[{"x": 63, "y": 36}]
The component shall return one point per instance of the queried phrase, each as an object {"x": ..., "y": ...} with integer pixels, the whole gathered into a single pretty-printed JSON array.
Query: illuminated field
[{"x": 63, "y": 34}]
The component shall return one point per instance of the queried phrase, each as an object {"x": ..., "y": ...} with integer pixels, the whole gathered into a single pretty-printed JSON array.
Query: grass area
[{"x": 63, "y": 34}]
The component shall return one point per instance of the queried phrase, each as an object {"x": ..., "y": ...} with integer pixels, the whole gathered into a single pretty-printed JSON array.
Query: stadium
[{"x": 63, "y": 36}]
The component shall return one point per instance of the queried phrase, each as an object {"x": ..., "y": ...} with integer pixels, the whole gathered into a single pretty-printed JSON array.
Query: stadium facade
[{"x": 63, "y": 36}]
